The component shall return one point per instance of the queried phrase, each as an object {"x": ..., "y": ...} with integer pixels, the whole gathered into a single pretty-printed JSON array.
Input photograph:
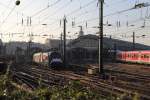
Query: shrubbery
[{"x": 72, "y": 91}]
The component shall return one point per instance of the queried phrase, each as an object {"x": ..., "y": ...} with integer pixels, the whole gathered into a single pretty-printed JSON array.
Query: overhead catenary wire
[
  {"x": 58, "y": 19},
  {"x": 78, "y": 17},
  {"x": 3, "y": 22},
  {"x": 75, "y": 11},
  {"x": 54, "y": 3},
  {"x": 7, "y": 6},
  {"x": 118, "y": 12},
  {"x": 86, "y": 20},
  {"x": 59, "y": 9},
  {"x": 37, "y": 13},
  {"x": 78, "y": 9},
  {"x": 132, "y": 30},
  {"x": 27, "y": 5}
]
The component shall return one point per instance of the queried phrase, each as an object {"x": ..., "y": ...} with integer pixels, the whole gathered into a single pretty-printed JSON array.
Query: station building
[{"x": 84, "y": 49}]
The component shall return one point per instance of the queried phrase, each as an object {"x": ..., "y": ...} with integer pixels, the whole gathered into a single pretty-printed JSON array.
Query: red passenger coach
[
  {"x": 134, "y": 56},
  {"x": 145, "y": 57}
]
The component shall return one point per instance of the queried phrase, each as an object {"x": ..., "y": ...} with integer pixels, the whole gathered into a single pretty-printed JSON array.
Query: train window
[
  {"x": 135, "y": 55},
  {"x": 146, "y": 56},
  {"x": 130, "y": 55},
  {"x": 122, "y": 56},
  {"x": 125, "y": 55},
  {"x": 55, "y": 55}
]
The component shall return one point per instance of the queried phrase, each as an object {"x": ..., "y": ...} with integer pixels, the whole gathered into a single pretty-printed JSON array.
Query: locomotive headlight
[{"x": 17, "y": 2}]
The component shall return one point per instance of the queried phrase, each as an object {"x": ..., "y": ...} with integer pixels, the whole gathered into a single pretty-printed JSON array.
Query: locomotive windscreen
[{"x": 54, "y": 55}]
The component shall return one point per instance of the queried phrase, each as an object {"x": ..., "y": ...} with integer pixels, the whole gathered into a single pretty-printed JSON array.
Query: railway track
[
  {"x": 63, "y": 74},
  {"x": 134, "y": 81},
  {"x": 50, "y": 77},
  {"x": 33, "y": 76},
  {"x": 132, "y": 77},
  {"x": 126, "y": 76},
  {"x": 139, "y": 70}
]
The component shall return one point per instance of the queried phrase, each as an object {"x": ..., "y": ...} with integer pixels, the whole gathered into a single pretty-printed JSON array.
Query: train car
[
  {"x": 145, "y": 57},
  {"x": 51, "y": 59},
  {"x": 134, "y": 56},
  {"x": 55, "y": 59}
]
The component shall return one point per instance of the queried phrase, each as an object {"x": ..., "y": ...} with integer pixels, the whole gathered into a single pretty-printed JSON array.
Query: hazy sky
[{"x": 81, "y": 12}]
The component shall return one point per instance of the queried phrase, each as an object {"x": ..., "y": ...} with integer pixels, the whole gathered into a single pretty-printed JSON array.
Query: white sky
[{"x": 81, "y": 11}]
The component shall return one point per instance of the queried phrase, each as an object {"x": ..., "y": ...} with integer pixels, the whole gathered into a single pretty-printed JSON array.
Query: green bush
[{"x": 74, "y": 90}]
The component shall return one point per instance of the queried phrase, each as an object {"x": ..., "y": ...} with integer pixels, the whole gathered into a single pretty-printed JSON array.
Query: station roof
[{"x": 91, "y": 42}]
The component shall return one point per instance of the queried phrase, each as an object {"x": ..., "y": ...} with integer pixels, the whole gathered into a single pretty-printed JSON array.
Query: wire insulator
[{"x": 17, "y": 2}]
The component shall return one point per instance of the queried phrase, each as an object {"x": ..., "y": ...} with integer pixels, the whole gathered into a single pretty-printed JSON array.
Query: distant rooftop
[{"x": 92, "y": 41}]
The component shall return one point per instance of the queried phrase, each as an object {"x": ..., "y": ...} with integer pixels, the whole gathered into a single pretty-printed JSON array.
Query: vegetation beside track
[{"x": 73, "y": 91}]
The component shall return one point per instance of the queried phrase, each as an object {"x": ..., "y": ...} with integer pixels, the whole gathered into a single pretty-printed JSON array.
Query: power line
[
  {"x": 27, "y": 5},
  {"x": 7, "y": 6},
  {"x": 114, "y": 3},
  {"x": 78, "y": 9},
  {"x": 7, "y": 16},
  {"x": 84, "y": 6},
  {"x": 135, "y": 21},
  {"x": 59, "y": 9},
  {"x": 113, "y": 13},
  {"x": 77, "y": 17},
  {"x": 44, "y": 8},
  {"x": 72, "y": 12},
  {"x": 37, "y": 13}
]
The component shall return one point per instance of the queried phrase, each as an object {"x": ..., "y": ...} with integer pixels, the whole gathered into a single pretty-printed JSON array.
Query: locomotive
[
  {"x": 52, "y": 59},
  {"x": 142, "y": 57}
]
